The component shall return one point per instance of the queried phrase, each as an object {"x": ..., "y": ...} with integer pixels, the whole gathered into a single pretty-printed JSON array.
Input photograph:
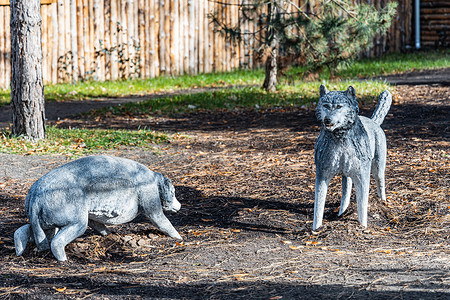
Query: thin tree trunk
[
  {"x": 270, "y": 81},
  {"x": 27, "y": 88}
]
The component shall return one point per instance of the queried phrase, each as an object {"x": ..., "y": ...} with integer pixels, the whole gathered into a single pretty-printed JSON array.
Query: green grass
[
  {"x": 120, "y": 88},
  {"x": 389, "y": 64},
  {"x": 396, "y": 63},
  {"x": 76, "y": 142},
  {"x": 94, "y": 89},
  {"x": 243, "y": 98}
]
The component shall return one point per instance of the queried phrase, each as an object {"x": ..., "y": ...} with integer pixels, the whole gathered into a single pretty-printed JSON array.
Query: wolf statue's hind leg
[
  {"x": 98, "y": 227},
  {"x": 362, "y": 183},
  {"x": 378, "y": 174},
  {"x": 22, "y": 236},
  {"x": 346, "y": 193},
  {"x": 64, "y": 236}
]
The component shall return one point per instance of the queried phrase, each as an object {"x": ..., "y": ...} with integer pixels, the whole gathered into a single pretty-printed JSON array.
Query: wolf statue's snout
[{"x": 327, "y": 121}]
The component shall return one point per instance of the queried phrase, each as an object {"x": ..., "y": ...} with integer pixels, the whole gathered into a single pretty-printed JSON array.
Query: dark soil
[{"x": 246, "y": 183}]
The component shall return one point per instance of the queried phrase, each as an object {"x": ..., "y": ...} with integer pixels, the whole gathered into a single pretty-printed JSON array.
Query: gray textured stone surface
[
  {"x": 350, "y": 145},
  {"x": 94, "y": 191}
]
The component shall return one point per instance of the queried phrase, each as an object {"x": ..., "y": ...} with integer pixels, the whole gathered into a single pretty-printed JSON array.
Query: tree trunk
[
  {"x": 270, "y": 81},
  {"x": 27, "y": 88}
]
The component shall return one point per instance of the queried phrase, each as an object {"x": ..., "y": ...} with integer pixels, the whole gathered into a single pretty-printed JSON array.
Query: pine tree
[{"x": 319, "y": 34}]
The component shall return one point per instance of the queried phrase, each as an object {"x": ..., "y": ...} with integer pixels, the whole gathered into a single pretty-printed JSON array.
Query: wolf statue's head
[
  {"x": 337, "y": 110},
  {"x": 167, "y": 194}
]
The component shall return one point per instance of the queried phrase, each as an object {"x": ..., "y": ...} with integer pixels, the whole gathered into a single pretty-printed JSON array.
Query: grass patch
[
  {"x": 388, "y": 64},
  {"x": 119, "y": 88},
  {"x": 76, "y": 142},
  {"x": 396, "y": 63},
  {"x": 244, "y": 98}
]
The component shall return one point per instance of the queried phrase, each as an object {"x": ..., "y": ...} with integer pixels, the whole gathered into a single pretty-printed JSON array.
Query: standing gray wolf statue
[
  {"x": 351, "y": 145},
  {"x": 96, "y": 190}
]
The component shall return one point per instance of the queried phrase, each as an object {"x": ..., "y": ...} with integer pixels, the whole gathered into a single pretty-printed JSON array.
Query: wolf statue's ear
[
  {"x": 323, "y": 90},
  {"x": 351, "y": 93}
]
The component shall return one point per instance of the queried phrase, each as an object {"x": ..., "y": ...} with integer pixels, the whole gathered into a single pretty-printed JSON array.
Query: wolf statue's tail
[{"x": 384, "y": 103}]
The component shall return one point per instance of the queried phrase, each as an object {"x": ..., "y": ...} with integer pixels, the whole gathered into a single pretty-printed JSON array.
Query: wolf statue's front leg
[
  {"x": 321, "y": 189},
  {"x": 362, "y": 182},
  {"x": 346, "y": 193}
]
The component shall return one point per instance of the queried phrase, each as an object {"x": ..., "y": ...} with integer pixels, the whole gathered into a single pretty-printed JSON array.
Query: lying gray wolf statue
[
  {"x": 350, "y": 145},
  {"x": 96, "y": 190}
]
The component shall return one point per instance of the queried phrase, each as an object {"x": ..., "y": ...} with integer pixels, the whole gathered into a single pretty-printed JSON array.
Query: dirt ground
[{"x": 246, "y": 183}]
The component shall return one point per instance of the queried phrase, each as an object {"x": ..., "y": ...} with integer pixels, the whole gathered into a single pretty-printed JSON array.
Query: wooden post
[
  {"x": 153, "y": 31},
  {"x": 27, "y": 87},
  {"x": 61, "y": 39},
  {"x": 186, "y": 37},
  {"x": 162, "y": 36},
  {"x": 7, "y": 53},
  {"x": 200, "y": 37},
  {"x": 91, "y": 38},
  {"x": 73, "y": 39},
  {"x": 141, "y": 34},
  {"x": 114, "y": 39},
  {"x": 107, "y": 38},
  {"x": 167, "y": 35},
  {"x": 191, "y": 8},
  {"x": 2, "y": 48},
  {"x": 54, "y": 42},
  {"x": 174, "y": 38}
]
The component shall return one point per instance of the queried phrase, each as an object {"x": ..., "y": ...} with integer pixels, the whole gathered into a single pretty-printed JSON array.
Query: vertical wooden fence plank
[
  {"x": 210, "y": 27},
  {"x": 130, "y": 18},
  {"x": 123, "y": 53},
  {"x": 207, "y": 42},
  {"x": 67, "y": 27},
  {"x": 162, "y": 37},
  {"x": 176, "y": 38},
  {"x": 85, "y": 40},
  {"x": 7, "y": 47},
  {"x": 91, "y": 38},
  {"x": 44, "y": 33},
  {"x": 80, "y": 39},
  {"x": 142, "y": 38},
  {"x": 186, "y": 36},
  {"x": 153, "y": 31},
  {"x": 167, "y": 35},
  {"x": 191, "y": 8},
  {"x": 107, "y": 38},
  {"x": 181, "y": 36},
  {"x": 200, "y": 37},
  {"x": 73, "y": 39},
  {"x": 113, "y": 25},
  {"x": 2, "y": 47},
  {"x": 61, "y": 41},
  {"x": 54, "y": 42}
]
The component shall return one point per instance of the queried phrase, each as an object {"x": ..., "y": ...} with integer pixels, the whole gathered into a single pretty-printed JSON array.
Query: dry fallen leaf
[
  {"x": 60, "y": 289},
  {"x": 295, "y": 247}
]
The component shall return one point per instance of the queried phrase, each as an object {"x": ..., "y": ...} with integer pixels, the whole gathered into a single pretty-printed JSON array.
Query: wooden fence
[
  {"x": 112, "y": 39},
  {"x": 435, "y": 23}
]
